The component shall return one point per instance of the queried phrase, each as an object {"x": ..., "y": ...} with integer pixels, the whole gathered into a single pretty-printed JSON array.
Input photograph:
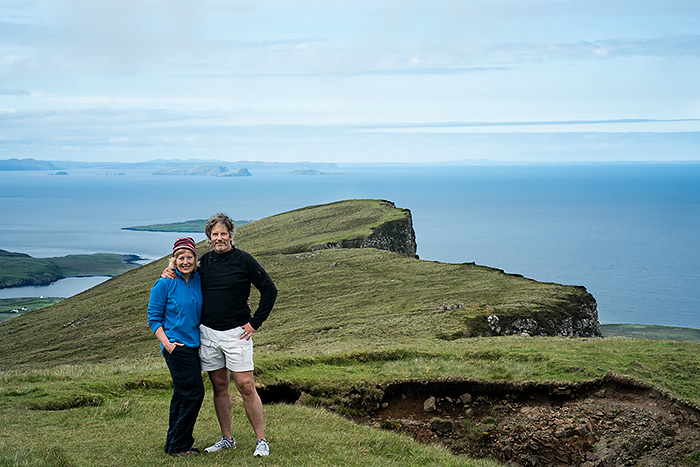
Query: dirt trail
[{"x": 614, "y": 421}]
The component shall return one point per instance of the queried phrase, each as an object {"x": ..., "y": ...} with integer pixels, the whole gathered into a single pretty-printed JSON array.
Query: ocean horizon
[{"x": 629, "y": 233}]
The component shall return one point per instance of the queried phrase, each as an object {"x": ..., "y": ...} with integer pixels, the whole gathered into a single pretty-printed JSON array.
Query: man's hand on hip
[{"x": 248, "y": 331}]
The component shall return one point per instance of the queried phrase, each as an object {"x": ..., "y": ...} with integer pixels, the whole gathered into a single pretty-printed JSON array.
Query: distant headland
[
  {"x": 194, "y": 226},
  {"x": 20, "y": 269}
]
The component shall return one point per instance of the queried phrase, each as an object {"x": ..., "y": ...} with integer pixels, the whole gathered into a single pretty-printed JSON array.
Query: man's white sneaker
[
  {"x": 262, "y": 448},
  {"x": 223, "y": 443}
]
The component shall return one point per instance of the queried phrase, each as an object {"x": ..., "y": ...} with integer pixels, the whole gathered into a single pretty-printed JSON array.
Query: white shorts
[{"x": 219, "y": 349}]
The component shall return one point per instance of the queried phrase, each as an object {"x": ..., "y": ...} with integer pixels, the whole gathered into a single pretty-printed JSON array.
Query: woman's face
[{"x": 185, "y": 263}]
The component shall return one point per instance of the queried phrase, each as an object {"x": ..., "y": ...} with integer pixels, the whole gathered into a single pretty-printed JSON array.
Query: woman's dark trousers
[{"x": 188, "y": 394}]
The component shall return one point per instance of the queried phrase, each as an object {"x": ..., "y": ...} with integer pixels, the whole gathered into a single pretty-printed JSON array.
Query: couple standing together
[{"x": 201, "y": 316}]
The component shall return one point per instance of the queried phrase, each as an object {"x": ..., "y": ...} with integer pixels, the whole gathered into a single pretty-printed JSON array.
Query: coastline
[{"x": 22, "y": 270}]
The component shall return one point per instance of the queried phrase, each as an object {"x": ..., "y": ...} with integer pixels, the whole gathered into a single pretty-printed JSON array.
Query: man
[{"x": 227, "y": 326}]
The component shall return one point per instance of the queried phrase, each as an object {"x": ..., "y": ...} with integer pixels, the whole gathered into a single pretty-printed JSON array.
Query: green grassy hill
[
  {"x": 85, "y": 375},
  {"x": 333, "y": 300},
  {"x": 20, "y": 269}
]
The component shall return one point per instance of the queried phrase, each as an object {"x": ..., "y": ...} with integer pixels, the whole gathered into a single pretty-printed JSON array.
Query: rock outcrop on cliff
[
  {"x": 395, "y": 235},
  {"x": 577, "y": 318}
]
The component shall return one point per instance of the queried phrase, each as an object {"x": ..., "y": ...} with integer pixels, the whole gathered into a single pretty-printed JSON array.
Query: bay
[{"x": 629, "y": 233}]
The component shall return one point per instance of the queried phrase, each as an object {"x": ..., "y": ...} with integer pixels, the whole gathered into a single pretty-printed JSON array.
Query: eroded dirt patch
[
  {"x": 614, "y": 421},
  {"x": 610, "y": 422}
]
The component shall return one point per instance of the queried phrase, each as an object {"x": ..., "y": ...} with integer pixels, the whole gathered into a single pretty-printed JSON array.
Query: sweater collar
[
  {"x": 225, "y": 254},
  {"x": 179, "y": 274}
]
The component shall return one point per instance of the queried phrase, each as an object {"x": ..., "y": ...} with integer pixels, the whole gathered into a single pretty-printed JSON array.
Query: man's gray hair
[{"x": 219, "y": 218}]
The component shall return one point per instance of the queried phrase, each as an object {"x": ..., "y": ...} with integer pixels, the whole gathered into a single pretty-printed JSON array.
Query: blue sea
[{"x": 629, "y": 233}]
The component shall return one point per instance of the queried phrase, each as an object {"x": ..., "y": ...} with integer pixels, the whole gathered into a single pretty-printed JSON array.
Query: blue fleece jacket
[{"x": 177, "y": 306}]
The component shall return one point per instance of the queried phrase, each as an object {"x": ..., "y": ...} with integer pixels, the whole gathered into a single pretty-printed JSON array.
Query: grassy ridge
[
  {"x": 299, "y": 230},
  {"x": 346, "y": 321},
  {"x": 22, "y": 269}
]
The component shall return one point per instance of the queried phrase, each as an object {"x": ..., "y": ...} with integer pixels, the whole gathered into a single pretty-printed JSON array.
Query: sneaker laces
[{"x": 224, "y": 442}]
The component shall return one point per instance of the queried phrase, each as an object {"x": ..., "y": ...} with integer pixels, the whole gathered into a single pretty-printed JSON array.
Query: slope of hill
[{"x": 375, "y": 295}]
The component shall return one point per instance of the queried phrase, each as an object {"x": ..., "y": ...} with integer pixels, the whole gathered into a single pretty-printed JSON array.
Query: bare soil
[{"x": 614, "y": 421}]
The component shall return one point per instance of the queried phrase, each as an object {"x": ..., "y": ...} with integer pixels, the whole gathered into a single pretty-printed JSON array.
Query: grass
[
  {"x": 131, "y": 422},
  {"x": 61, "y": 408},
  {"x": 346, "y": 322}
]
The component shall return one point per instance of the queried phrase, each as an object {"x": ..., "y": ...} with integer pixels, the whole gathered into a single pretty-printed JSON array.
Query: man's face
[{"x": 220, "y": 238}]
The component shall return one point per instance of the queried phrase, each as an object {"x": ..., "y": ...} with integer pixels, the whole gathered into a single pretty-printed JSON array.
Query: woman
[{"x": 174, "y": 310}]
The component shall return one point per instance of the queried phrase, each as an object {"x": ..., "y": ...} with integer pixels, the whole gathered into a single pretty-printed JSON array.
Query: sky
[{"x": 350, "y": 81}]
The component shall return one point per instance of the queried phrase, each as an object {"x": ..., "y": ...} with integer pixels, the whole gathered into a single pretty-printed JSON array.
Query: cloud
[
  {"x": 624, "y": 125},
  {"x": 677, "y": 45},
  {"x": 14, "y": 92},
  {"x": 310, "y": 37}
]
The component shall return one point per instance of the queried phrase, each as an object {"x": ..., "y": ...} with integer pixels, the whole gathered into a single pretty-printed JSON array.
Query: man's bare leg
[
  {"x": 222, "y": 399},
  {"x": 251, "y": 402}
]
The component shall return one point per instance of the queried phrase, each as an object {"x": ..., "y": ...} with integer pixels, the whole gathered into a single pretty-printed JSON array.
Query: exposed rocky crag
[
  {"x": 577, "y": 319},
  {"x": 397, "y": 236}
]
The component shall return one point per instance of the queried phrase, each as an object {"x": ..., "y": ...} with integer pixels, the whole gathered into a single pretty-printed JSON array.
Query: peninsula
[
  {"x": 191, "y": 226},
  {"x": 20, "y": 269}
]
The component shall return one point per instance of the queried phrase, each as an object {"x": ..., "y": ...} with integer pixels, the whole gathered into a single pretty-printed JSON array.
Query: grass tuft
[{"x": 66, "y": 403}]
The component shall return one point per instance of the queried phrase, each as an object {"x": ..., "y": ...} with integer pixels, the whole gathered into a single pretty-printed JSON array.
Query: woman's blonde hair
[{"x": 177, "y": 253}]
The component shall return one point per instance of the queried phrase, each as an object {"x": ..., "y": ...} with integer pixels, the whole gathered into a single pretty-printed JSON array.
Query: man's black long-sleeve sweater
[{"x": 226, "y": 280}]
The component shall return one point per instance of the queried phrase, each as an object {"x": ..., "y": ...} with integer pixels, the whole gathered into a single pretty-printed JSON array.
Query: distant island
[
  {"x": 195, "y": 225},
  {"x": 26, "y": 164},
  {"x": 185, "y": 167},
  {"x": 20, "y": 269},
  {"x": 313, "y": 172},
  {"x": 208, "y": 170}
]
